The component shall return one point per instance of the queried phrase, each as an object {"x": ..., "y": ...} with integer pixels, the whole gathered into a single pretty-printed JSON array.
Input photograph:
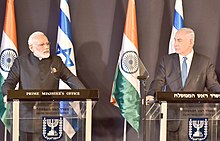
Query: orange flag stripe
[
  {"x": 10, "y": 23},
  {"x": 130, "y": 28}
]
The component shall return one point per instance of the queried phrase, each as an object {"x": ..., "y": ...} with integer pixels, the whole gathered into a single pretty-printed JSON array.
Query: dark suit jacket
[
  {"x": 201, "y": 75},
  {"x": 32, "y": 73}
]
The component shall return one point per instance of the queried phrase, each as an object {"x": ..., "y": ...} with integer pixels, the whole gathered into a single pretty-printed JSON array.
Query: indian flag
[
  {"x": 126, "y": 86},
  {"x": 4, "y": 114},
  {"x": 8, "y": 52}
]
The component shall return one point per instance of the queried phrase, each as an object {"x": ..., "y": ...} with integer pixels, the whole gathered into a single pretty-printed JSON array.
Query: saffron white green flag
[
  {"x": 8, "y": 52},
  {"x": 126, "y": 86},
  {"x": 4, "y": 114}
]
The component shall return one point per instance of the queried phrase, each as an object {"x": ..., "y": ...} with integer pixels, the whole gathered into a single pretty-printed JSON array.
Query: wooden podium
[
  {"x": 47, "y": 103},
  {"x": 192, "y": 115}
]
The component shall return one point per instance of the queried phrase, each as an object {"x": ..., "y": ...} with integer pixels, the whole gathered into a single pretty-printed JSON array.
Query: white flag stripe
[
  {"x": 63, "y": 40},
  {"x": 67, "y": 127},
  {"x": 6, "y": 44},
  {"x": 64, "y": 85},
  {"x": 76, "y": 106},
  {"x": 127, "y": 45},
  {"x": 65, "y": 8},
  {"x": 178, "y": 7},
  {"x": 171, "y": 45}
]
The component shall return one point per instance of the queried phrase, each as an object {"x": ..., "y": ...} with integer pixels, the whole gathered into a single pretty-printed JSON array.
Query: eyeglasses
[{"x": 43, "y": 44}]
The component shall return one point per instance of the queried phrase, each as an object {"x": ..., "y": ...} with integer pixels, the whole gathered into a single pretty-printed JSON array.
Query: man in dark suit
[
  {"x": 37, "y": 70},
  {"x": 200, "y": 71},
  {"x": 197, "y": 69}
]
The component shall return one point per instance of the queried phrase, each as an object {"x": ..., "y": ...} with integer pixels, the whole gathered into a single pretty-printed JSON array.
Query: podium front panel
[
  {"x": 52, "y": 114},
  {"x": 51, "y": 120},
  {"x": 185, "y": 121}
]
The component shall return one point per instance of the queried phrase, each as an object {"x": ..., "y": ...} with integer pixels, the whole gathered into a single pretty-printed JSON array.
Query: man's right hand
[{"x": 149, "y": 99}]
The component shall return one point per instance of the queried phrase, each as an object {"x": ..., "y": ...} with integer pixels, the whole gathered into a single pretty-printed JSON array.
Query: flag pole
[
  {"x": 65, "y": 137},
  {"x": 5, "y": 136},
  {"x": 125, "y": 129}
]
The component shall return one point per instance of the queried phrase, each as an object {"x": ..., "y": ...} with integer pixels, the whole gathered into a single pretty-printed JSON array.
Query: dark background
[{"x": 97, "y": 27}]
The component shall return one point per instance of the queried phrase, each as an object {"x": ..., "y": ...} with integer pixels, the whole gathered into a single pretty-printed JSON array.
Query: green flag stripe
[
  {"x": 128, "y": 100},
  {"x": 6, "y": 121},
  {"x": 2, "y": 105},
  {"x": 4, "y": 113}
]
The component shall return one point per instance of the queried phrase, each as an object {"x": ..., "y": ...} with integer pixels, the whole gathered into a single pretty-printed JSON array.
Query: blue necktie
[{"x": 184, "y": 71}]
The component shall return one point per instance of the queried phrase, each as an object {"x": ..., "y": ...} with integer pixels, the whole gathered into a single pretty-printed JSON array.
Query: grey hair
[
  {"x": 33, "y": 36},
  {"x": 189, "y": 32}
]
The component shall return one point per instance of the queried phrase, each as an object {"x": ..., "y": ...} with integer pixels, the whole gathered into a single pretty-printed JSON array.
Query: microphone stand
[{"x": 143, "y": 79}]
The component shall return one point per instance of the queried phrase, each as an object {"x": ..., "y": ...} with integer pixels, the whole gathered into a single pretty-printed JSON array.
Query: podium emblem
[
  {"x": 52, "y": 128},
  {"x": 198, "y": 129}
]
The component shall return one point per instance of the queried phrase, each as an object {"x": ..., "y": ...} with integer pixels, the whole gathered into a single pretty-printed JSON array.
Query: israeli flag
[
  {"x": 66, "y": 51},
  {"x": 178, "y": 22}
]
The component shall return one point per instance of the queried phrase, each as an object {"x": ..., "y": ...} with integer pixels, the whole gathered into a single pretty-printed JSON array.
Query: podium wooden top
[
  {"x": 188, "y": 97},
  {"x": 53, "y": 95}
]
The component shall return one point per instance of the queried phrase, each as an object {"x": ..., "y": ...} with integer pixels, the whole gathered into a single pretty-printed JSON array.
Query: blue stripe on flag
[
  {"x": 64, "y": 25},
  {"x": 178, "y": 20}
]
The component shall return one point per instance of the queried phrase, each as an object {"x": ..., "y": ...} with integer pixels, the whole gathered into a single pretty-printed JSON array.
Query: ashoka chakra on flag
[{"x": 129, "y": 62}]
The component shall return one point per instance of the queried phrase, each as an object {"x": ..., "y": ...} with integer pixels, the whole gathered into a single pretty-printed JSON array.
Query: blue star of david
[{"x": 66, "y": 53}]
